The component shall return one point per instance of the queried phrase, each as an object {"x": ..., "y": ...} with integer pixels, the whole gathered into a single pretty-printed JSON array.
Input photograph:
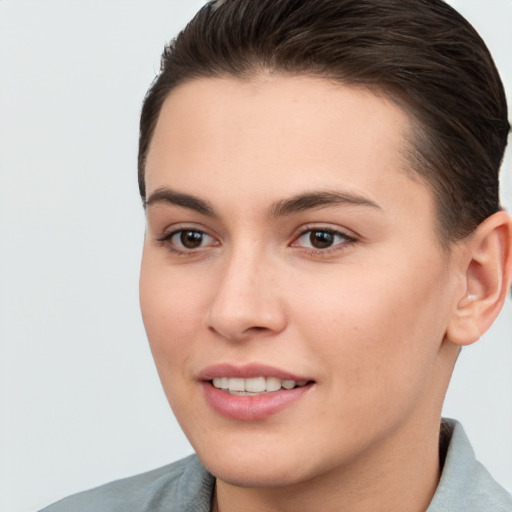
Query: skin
[{"x": 366, "y": 318}]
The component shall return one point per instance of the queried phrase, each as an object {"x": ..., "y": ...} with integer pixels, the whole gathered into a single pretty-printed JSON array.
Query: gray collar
[{"x": 465, "y": 485}]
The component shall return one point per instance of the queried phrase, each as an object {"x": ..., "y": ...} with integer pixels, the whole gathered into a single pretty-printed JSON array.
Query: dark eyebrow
[
  {"x": 169, "y": 196},
  {"x": 322, "y": 199}
]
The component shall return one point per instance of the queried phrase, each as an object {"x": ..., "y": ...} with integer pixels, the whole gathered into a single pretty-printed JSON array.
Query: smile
[
  {"x": 252, "y": 392},
  {"x": 254, "y": 386}
]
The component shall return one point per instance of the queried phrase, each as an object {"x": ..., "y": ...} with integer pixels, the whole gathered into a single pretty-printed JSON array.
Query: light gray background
[{"x": 80, "y": 402}]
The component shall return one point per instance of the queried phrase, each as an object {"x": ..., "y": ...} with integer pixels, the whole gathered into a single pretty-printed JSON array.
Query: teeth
[
  {"x": 221, "y": 382},
  {"x": 255, "y": 385},
  {"x": 288, "y": 384},
  {"x": 236, "y": 384},
  {"x": 273, "y": 384}
]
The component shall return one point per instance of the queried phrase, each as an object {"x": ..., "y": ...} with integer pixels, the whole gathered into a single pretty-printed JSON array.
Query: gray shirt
[{"x": 186, "y": 486}]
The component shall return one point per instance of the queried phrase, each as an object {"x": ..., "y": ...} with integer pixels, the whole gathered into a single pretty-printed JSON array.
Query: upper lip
[{"x": 247, "y": 371}]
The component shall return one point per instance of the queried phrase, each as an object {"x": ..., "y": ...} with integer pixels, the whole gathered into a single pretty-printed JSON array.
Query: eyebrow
[
  {"x": 295, "y": 204},
  {"x": 321, "y": 199},
  {"x": 168, "y": 196}
]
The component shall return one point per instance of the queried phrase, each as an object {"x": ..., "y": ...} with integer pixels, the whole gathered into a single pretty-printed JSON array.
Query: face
[{"x": 293, "y": 289}]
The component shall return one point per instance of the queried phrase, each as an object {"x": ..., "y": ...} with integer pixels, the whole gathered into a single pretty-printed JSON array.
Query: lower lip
[{"x": 250, "y": 408}]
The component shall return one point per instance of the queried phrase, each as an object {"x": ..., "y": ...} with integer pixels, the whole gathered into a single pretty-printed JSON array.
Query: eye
[
  {"x": 189, "y": 239},
  {"x": 186, "y": 240},
  {"x": 321, "y": 239}
]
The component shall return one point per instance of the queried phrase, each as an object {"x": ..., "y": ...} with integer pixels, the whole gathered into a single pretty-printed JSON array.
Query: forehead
[{"x": 276, "y": 135}]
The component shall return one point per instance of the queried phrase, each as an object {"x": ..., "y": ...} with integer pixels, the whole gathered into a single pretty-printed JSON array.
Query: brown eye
[
  {"x": 321, "y": 239},
  {"x": 184, "y": 240},
  {"x": 191, "y": 239}
]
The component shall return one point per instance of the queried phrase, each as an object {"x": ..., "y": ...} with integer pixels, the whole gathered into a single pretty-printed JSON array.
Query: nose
[{"x": 248, "y": 299}]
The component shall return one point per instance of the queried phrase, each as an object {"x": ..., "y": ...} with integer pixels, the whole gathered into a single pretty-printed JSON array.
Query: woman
[{"x": 324, "y": 234}]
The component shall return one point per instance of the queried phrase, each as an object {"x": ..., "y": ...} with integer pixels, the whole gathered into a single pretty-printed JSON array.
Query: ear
[{"x": 488, "y": 273}]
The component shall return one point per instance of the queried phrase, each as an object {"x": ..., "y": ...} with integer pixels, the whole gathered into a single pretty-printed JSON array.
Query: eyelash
[
  {"x": 347, "y": 240},
  {"x": 166, "y": 240}
]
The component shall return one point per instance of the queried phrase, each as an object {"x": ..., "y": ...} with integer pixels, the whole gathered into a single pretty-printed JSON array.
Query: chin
[
  {"x": 245, "y": 474},
  {"x": 257, "y": 461}
]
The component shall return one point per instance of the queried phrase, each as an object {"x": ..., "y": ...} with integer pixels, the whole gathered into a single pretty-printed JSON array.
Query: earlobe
[{"x": 488, "y": 270}]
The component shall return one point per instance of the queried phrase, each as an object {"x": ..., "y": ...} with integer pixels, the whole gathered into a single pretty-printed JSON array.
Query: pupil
[
  {"x": 321, "y": 239},
  {"x": 191, "y": 239}
]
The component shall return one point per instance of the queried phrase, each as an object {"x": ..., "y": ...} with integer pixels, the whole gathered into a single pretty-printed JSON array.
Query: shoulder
[
  {"x": 181, "y": 486},
  {"x": 465, "y": 485}
]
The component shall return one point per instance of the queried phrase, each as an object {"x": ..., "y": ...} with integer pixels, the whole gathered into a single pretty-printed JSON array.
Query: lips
[{"x": 251, "y": 392}]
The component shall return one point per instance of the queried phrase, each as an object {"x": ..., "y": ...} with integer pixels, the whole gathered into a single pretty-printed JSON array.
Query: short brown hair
[{"x": 421, "y": 53}]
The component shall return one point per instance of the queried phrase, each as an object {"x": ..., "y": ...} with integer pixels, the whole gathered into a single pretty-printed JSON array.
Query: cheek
[
  {"x": 376, "y": 331},
  {"x": 171, "y": 311}
]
